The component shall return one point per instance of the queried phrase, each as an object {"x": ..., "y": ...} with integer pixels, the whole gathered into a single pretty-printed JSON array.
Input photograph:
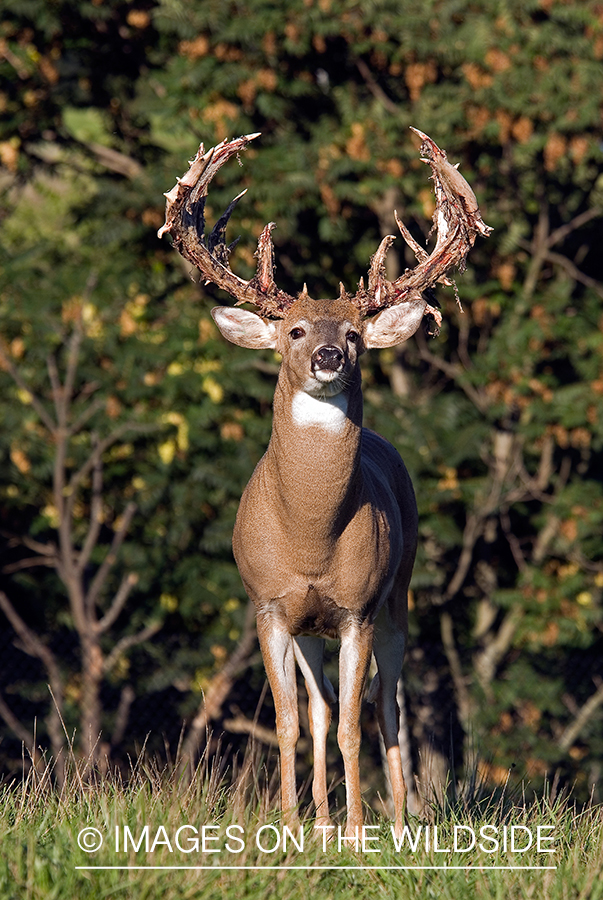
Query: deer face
[{"x": 320, "y": 342}]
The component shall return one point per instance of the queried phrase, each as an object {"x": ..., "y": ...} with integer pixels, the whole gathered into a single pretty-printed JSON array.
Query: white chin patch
[
  {"x": 324, "y": 383},
  {"x": 325, "y": 376},
  {"x": 329, "y": 413}
]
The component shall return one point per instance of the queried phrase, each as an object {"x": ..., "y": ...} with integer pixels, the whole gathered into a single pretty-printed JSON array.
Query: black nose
[{"x": 327, "y": 358}]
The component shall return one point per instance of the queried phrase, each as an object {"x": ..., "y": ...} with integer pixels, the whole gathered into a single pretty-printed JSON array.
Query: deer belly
[{"x": 316, "y": 614}]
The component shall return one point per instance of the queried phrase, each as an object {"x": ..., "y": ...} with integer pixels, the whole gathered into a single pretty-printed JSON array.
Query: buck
[{"x": 326, "y": 531}]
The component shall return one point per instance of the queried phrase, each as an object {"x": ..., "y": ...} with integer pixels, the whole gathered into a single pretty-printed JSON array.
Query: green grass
[{"x": 39, "y": 853}]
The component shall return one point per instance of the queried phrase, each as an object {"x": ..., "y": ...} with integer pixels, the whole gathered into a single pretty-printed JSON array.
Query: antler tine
[
  {"x": 458, "y": 221},
  {"x": 216, "y": 241},
  {"x": 420, "y": 252},
  {"x": 275, "y": 301},
  {"x": 265, "y": 256},
  {"x": 376, "y": 277},
  {"x": 185, "y": 221},
  {"x": 449, "y": 180}
]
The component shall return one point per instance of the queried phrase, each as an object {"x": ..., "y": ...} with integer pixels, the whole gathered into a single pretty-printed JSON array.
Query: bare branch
[
  {"x": 48, "y": 549},
  {"x": 375, "y": 89},
  {"x": 241, "y": 725},
  {"x": 474, "y": 527},
  {"x": 75, "y": 342},
  {"x": 86, "y": 415},
  {"x": 542, "y": 242},
  {"x": 123, "y": 712},
  {"x": 220, "y": 686},
  {"x": 115, "y": 161},
  {"x": 575, "y": 272},
  {"x": 96, "y": 513},
  {"x": 99, "y": 579},
  {"x": 518, "y": 555},
  {"x": 14, "y": 724},
  {"x": 456, "y": 669},
  {"x": 29, "y": 563},
  {"x": 538, "y": 248},
  {"x": 14, "y": 61},
  {"x": 47, "y": 553},
  {"x": 486, "y": 614},
  {"x": 455, "y": 372},
  {"x": 130, "y": 640},
  {"x": 60, "y": 493},
  {"x": 487, "y": 661},
  {"x": 565, "y": 263},
  {"x": 57, "y": 391},
  {"x": 112, "y": 438},
  {"x": 577, "y": 222},
  {"x": 86, "y": 392},
  {"x": 32, "y": 642},
  {"x": 118, "y": 603},
  {"x": 21, "y": 383},
  {"x": 581, "y": 719},
  {"x": 545, "y": 465},
  {"x": 33, "y": 645}
]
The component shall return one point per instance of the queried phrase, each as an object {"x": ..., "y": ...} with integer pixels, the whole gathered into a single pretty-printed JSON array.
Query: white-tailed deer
[{"x": 326, "y": 532}]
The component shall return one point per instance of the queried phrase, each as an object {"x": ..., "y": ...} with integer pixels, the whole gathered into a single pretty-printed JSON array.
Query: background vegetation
[{"x": 129, "y": 428}]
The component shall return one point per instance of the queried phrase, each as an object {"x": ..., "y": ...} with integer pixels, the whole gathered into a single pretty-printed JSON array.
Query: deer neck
[{"x": 313, "y": 457}]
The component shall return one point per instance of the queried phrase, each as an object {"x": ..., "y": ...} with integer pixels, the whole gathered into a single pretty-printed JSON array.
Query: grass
[{"x": 161, "y": 820}]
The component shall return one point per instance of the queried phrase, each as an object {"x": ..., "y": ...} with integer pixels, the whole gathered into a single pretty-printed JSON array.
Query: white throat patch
[{"x": 329, "y": 413}]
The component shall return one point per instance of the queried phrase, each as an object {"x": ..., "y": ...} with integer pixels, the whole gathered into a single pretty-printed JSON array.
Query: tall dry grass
[{"x": 160, "y": 817}]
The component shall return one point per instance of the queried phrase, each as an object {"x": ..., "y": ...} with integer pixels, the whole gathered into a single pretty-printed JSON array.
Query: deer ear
[
  {"x": 394, "y": 325},
  {"x": 245, "y": 328}
]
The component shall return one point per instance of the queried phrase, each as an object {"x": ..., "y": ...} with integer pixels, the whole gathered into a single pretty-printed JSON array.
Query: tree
[
  {"x": 111, "y": 391},
  {"x": 72, "y": 554}
]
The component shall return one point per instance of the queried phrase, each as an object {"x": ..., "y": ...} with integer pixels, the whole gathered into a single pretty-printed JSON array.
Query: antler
[
  {"x": 457, "y": 220},
  {"x": 185, "y": 221}
]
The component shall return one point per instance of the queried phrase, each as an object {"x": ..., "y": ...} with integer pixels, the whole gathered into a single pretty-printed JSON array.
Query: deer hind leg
[
  {"x": 354, "y": 658},
  {"x": 309, "y": 654},
  {"x": 388, "y": 647},
  {"x": 276, "y": 645}
]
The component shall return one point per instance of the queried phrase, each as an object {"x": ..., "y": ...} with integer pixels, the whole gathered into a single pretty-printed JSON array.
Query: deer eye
[
  {"x": 353, "y": 337},
  {"x": 297, "y": 333}
]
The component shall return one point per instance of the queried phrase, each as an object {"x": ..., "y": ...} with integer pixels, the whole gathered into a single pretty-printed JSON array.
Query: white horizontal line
[{"x": 319, "y": 868}]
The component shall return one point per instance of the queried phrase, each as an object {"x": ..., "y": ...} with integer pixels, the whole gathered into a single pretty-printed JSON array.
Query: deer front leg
[
  {"x": 309, "y": 653},
  {"x": 276, "y": 645},
  {"x": 354, "y": 658}
]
